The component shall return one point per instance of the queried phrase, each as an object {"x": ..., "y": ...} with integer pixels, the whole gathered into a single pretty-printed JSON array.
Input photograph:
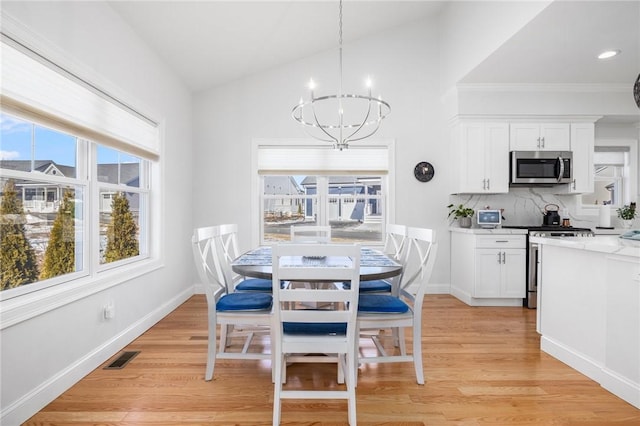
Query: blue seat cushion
[
  {"x": 315, "y": 328},
  {"x": 370, "y": 286},
  {"x": 381, "y": 303},
  {"x": 255, "y": 284},
  {"x": 244, "y": 302}
]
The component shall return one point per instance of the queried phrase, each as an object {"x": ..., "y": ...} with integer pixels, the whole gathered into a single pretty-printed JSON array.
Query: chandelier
[{"x": 343, "y": 117}]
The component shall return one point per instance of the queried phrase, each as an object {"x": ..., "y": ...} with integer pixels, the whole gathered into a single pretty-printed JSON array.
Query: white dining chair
[
  {"x": 310, "y": 234},
  {"x": 226, "y": 309},
  {"x": 382, "y": 311},
  {"x": 300, "y": 330},
  {"x": 229, "y": 251},
  {"x": 394, "y": 244}
]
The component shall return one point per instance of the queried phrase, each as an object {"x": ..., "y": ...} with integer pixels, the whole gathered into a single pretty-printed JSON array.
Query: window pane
[
  {"x": 15, "y": 143},
  {"x": 118, "y": 167},
  {"x": 353, "y": 206},
  {"x": 41, "y": 237},
  {"x": 54, "y": 152},
  {"x": 119, "y": 225},
  {"x": 608, "y": 186},
  {"x": 355, "y": 209},
  {"x": 30, "y": 148}
]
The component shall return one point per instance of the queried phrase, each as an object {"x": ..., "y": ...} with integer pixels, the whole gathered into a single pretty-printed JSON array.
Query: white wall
[
  {"x": 44, "y": 355},
  {"x": 403, "y": 64},
  {"x": 473, "y": 30}
]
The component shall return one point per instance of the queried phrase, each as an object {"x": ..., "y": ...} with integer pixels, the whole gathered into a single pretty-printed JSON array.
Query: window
[
  {"x": 351, "y": 205},
  {"x": 48, "y": 178},
  {"x": 614, "y": 174},
  {"x": 75, "y": 179},
  {"x": 304, "y": 183}
]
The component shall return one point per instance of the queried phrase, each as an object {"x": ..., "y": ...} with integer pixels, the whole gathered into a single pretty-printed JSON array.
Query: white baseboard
[
  {"x": 609, "y": 380},
  {"x": 484, "y": 301},
  {"x": 621, "y": 387},
  {"x": 585, "y": 365},
  {"x": 32, "y": 402}
]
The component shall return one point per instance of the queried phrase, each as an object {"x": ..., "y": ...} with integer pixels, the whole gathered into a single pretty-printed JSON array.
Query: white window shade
[
  {"x": 326, "y": 159},
  {"x": 29, "y": 84}
]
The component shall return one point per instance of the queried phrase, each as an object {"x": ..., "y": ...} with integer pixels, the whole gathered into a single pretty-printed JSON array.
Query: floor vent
[{"x": 122, "y": 360}]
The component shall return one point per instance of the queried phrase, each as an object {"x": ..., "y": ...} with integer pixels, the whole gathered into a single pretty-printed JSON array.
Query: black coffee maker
[{"x": 551, "y": 217}]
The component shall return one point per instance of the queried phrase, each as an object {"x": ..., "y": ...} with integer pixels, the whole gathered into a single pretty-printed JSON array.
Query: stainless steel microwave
[{"x": 541, "y": 167}]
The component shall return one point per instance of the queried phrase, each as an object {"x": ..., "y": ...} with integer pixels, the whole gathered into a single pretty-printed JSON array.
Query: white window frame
[
  {"x": 630, "y": 178},
  {"x": 309, "y": 163},
  {"x": 136, "y": 134}
]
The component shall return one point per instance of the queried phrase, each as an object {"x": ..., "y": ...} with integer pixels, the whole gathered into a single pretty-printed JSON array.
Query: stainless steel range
[{"x": 531, "y": 299}]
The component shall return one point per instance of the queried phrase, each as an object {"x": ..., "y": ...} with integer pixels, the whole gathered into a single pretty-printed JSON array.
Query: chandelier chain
[{"x": 340, "y": 25}]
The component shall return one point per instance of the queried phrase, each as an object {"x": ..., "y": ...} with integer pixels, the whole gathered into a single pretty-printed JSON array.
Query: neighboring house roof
[
  {"x": 45, "y": 166},
  {"x": 129, "y": 172},
  {"x": 285, "y": 185}
]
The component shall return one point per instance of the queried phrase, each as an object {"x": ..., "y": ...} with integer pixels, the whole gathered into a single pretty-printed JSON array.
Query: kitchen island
[{"x": 589, "y": 308}]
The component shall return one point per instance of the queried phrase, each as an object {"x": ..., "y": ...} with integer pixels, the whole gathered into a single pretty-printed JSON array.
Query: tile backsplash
[{"x": 525, "y": 206}]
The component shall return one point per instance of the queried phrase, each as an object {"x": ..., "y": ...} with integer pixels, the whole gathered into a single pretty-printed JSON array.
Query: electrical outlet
[{"x": 109, "y": 311}]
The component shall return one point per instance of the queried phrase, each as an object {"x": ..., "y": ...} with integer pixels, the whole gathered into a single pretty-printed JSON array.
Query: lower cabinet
[
  {"x": 500, "y": 273},
  {"x": 488, "y": 269}
]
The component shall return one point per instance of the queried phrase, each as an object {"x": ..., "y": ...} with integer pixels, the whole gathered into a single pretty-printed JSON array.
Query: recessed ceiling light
[{"x": 609, "y": 54}]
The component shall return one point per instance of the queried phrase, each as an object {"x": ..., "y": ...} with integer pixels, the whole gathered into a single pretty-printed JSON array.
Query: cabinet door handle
[
  {"x": 504, "y": 257},
  {"x": 499, "y": 261},
  {"x": 538, "y": 142},
  {"x": 484, "y": 184},
  {"x": 502, "y": 241},
  {"x": 488, "y": 184}
]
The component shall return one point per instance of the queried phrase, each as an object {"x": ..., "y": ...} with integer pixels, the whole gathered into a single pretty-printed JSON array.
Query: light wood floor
[{"x": 483, "y": 366}]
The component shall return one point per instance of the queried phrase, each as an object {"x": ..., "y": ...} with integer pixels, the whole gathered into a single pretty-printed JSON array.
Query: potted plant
[
  {"x": 627, "y": 213},
  {"x": 462, "y": 214}
]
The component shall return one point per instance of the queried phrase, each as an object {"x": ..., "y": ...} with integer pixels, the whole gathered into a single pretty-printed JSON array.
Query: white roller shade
[
  {"x": 30, "y": 83},
  {"x": 307, "y": 159}
]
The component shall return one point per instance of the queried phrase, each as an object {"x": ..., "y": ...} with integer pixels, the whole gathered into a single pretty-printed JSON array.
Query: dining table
[{"x": 374, "y": 264}]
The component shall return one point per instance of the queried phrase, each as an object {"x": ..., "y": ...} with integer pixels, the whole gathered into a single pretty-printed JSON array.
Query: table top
[{"x": 374, "y": 265}]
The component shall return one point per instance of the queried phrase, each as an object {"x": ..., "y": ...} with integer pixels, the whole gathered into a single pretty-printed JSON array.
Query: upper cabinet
[
  {"x": 540, "y": 137},
  {"x": 481, "y": 157},
  {"x": 582, "y": 146}
]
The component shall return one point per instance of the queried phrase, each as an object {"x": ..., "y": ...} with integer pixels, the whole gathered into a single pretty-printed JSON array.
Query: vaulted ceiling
[{"x": 209, "y": 43}]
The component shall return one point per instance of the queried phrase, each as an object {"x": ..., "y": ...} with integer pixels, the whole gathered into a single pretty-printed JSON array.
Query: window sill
[{"x": 19, "y": 309}]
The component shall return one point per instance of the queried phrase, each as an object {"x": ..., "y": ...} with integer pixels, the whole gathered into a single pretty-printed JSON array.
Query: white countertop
[
  {"x": 613, "y": 231},
  {"x": 488, "y": 231},
  {"x": 600, "y": 243}
]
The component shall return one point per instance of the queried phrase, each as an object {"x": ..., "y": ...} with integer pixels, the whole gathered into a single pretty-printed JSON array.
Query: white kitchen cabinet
[
  {"x": 589, "y": 309},
  {"x": 488, "y": 269},
  {"x": 500, "y": 266},
  {"x": 481, "y": 158},
  {"x": 582, "y": 144},
  {"x": 540, "y": 137},
  {"x": 500, "y": 273},
  {"x": 622, "y": 338}
]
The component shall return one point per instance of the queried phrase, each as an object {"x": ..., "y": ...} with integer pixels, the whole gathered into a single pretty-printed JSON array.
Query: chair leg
[
  {"x": 356, "y": 355},
  {"x": 401, "y": 341},
  {"x": 211, "y": 351},
  {"x": 277, "y": 389},
  {"x": 417, "y": 352},
  {"x": 350, "y": 376},
  {"x": 224, "y": 330}
]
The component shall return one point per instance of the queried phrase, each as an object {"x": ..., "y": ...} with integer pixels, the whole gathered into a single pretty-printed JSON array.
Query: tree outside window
[{"x": 18, "y": 264}]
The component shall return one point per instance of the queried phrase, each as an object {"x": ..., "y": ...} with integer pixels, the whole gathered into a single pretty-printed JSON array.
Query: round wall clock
[
  {"x": 636, "y": 91},
  {"x": 424, "y": 171}
]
